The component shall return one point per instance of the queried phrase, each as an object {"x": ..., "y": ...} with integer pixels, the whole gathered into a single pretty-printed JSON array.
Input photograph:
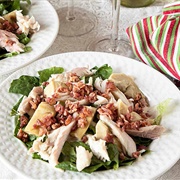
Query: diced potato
[
  {"x": 135, "y": 116},
  {"x": 78, "y": 133},
  {"x": 11, "y": 17},
  {"x": 101, "y": 130},
  {"x": 126, "y": 84},
  {"x": 43, "y": 110},
  {"x": 50, "y": 89},
  {"x": 122, "y": 108}
]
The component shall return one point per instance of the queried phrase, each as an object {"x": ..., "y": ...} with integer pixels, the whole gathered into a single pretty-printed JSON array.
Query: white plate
[
  {"x": 165, "y": 150},
  {"x": 47, "y": 17}
]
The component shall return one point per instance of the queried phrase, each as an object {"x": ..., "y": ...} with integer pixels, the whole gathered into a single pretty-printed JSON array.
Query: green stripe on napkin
[{"x": 156, "y": 40}]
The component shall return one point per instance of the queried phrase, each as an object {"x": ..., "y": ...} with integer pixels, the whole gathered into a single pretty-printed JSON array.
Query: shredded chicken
[
  {"x": 27, "y": 24},
  {"x": 9, "y": 41},
  {"x": 83, "y": 158},
  {"x": 126, "y": 141},
  {"x": 50, "y": 149},
  {"x": 98, "y": 147},
  {"x": 151, "y": 132}
]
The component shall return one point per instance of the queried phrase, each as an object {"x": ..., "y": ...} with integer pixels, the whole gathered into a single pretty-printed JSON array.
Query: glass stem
[
  {"x": 115, "y": 24},
  {"x": 70, "y": 13}
]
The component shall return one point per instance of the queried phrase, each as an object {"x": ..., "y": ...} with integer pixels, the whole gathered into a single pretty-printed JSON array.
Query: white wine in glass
[
  {"x": 111, "y": 43},
  {"x": 75, "y": 21}
]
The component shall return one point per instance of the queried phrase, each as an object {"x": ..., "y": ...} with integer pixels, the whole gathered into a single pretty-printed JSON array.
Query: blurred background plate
[{"x": 47, "y": 17}]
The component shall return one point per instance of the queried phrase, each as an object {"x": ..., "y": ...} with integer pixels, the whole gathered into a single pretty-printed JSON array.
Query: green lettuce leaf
[
  {"x": 23, "y": 85},
  {"x": 17, "y": 125},
  {"x": 9, "y": 6},
  {"x": 45, "y": 74},
  {"x": 15, "y": 107},
  {"x": 23, "y": 38},
  {"x": 103, "y": 72},
  {"x": 68, "y": 158},
  {"x": 6, "y": 55},
  {"x": 161, "y": 109}
]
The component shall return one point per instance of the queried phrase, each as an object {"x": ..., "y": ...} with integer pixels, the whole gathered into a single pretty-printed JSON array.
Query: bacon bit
[
  {"x": 45, "y": 84},
  {"x": 55, "y": 126},
  {"x": 68, "y": 120},
  {"x": 84, "y": 139},
  {"x": 35, "y": 102},
  {"x": 141, "y": 147},
  {"x": 82, "y": 123},
  {"x": 45, "y": 124},
  {"x": 59, "y": 108},
  {"x": 80, "y": 90},
  {"x": 122, "y": 156},
  {"x": 74, "y": 78},
  {"x": 70, "y": 86},
  {"x": 92, "y": 97},
  {"x": 51, "y": 101},
  {"x": 8, "y": 26},
  {"x": 124, "y": 124},
  {"x": 128, "y": 116},
  {"x": 23, "y": 136},
  {"x": 105, "y": 95},
  {"x": 110, "y": 86},
  {"x": 130, "y": 109},
  {"x": 23, "y": 121},
  {"x": 10, "y": 42},
  {"x": 109, "y": 110},
  {"x": 63, "y": 89},
  {"x": 55, "y": 95},
  {"x": 74, "y": 127},
  {"x": 138, "y": 108},
  {"x": 109, "y": 138},
  {"x": 82, "y": 117},
  {"x": 136, "y": 154},
  {"x": 72, "y": 106},
  {"x": 138, "y": 97}
]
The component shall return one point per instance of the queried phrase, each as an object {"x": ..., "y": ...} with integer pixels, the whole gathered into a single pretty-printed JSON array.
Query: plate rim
[{"x": 16, "y": 73}]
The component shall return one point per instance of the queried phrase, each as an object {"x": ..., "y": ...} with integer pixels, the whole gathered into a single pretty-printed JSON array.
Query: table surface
[{"x": 102, "y": 10}]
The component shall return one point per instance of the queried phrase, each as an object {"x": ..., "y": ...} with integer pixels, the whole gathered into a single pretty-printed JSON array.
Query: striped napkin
[{"x": 156, "y": 40}]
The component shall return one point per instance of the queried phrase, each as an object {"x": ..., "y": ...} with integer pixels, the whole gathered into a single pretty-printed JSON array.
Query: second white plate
[{"x": 48, "y": 19}]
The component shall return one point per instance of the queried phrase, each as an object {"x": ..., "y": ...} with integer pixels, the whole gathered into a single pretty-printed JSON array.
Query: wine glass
[
  {"x": 75, "y": 21},
  {"x": 111, "y": 43}
]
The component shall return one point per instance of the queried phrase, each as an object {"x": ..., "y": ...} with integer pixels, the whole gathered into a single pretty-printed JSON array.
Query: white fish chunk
[
  {"x": 44, "y": 148},
  {"x": 25, "y": 106},
  {"x": 27, "y": 24},
  {"x": 120, "y": 95},
  {"x": 36, "y": 91},
  {"x": 83, "y": 158},
  {"x": 152, "y": 132},
  {"x": 81, "y": 71},
  {"x": 59, "y": 143},
  {"x": 51, "y": 148},
  {"x": 98, "y": 147},
  {"x": 100, "y": 84},
  {"x": 101, "y": 100},
  {"x": 126, "y": 141}
]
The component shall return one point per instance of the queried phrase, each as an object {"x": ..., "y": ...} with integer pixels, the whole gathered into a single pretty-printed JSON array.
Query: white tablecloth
[{"x": 102, "y": 9}]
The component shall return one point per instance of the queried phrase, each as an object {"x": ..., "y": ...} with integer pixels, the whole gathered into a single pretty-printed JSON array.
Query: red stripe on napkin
[{"x": 155, "y": 41}]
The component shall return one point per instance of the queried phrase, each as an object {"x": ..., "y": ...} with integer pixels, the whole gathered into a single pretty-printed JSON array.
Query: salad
[
  {"x": 85, "y": 119},
  {"x": 16, "y": 28}
]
